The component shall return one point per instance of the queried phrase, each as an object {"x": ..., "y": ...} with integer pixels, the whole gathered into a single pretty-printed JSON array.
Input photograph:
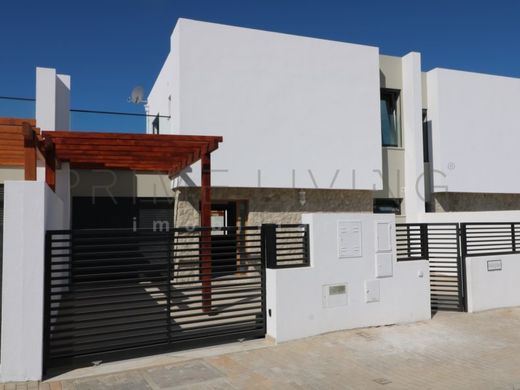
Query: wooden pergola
[
  {"x": 22, "y": 144},
  {"x": 168, "y": 154}
]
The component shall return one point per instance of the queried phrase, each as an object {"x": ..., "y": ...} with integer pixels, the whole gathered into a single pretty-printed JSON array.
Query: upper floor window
[{"x": 390, "y": 118}]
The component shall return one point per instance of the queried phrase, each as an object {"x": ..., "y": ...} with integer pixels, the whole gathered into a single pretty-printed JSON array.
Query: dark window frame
[{"x": 395, "y": 98}]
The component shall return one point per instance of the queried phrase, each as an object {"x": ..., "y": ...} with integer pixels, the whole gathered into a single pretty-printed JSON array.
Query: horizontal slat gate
[
  {"x": 111, "y": 292},
  {"x": 446, "y": 281},
  {"x": 438, "y": 243}
]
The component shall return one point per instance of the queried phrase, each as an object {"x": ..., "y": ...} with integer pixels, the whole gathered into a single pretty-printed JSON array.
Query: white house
[
  {"x": 291, "y": 148},
  {"x": 340, "y": 125}
]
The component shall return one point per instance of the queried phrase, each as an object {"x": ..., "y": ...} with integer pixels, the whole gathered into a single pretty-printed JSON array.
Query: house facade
[
  {"x": 331, "y": 126},
  {"x": 274, "y": 156}
]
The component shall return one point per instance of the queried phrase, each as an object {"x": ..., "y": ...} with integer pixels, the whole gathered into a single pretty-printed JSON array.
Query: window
[
  {"x": 155, "y": 125},
  {"x": 390, "y": 118},
  {"x": 387, "y": 206},
  {"x": 426, "y": 136}
]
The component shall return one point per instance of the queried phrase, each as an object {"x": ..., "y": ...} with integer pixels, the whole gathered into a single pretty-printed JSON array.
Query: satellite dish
[{"x": 137, "y": 95}]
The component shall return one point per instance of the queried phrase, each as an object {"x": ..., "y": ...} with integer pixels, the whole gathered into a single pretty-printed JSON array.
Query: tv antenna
[{"x": 137, "y": 95}]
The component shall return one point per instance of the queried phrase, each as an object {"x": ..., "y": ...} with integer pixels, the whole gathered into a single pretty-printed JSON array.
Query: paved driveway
[{"x": 453, "y": 351}]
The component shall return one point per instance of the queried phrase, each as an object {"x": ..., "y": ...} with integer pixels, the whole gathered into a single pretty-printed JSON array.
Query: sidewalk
[{"x": 453, "y": 351}]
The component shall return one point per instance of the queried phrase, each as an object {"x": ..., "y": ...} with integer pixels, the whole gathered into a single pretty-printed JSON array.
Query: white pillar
[
  {"x": 53, "y": 113},
  {"x": 411, "y": 96},
  {"x": 52, "y": 100},
  {"x": 30, "y": 209},
  {"x": 62, "y": 109}
]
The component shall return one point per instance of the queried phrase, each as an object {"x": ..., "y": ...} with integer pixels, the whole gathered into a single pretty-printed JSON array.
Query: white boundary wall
[
  {"x": 494, "y": 288},
  {"x": 297, "y": 301},
  {"x": 485, "y": 289},
  {"x": 31, "y": 208}
]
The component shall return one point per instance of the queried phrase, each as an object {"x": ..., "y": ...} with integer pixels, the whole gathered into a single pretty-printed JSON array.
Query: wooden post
[
  {"x": 50, "y": 166},
  {"x": 205, "y": 223},
  {"x": 29, "y": 147}
]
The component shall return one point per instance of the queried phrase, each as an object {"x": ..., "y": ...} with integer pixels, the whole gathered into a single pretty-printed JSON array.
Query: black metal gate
[
  {"x": 115, "y": 293},
  {"x": 111, "y": 292},
  {"x": 439, "y": 243}
]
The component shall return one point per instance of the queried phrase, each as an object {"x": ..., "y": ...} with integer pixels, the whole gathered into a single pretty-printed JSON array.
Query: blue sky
[{"x": 109, "y": 46}]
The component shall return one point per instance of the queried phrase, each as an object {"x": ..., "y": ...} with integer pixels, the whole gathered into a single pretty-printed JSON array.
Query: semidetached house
[
  {"x": 263, "y": 200},
  {"x": 312, "y": 125}
]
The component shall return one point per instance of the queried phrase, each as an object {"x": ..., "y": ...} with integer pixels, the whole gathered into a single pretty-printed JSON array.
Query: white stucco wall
[
  {"x": 281, "y": 102},
  {"x": 30, "y": 208},
  {"x": 160, "y": 100},
  {"x": 475, "y": 131},
  {"x": 295, "y": 296},
  {"x": 494, "y": 288}
]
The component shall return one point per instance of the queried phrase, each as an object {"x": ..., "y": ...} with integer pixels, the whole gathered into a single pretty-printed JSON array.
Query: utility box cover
[
  {"x": 349, "y": 239},
  {"x": 383, "y": 236},
  {"x": 372, "y": 293},
  {"x": 384, "y": 265},
  {"x": 335, "y": 295}
]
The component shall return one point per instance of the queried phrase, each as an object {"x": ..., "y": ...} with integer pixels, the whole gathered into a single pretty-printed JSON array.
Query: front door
[{"x": 224, "y": 238}]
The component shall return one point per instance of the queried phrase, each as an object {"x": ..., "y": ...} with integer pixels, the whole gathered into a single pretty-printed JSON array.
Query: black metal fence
[
  {"x": 287, "y": 246},
  {"x": 490, "y": 238},
  {"x": 411, "y": 241},
  {"x": 113, "y": 292}
]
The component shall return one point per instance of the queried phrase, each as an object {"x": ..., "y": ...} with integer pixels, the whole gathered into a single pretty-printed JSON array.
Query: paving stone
[
  {"x": 216, "y": 384},
  {"x": 453, "y": 351},
  {"x": 124, "y": 381},
  {"x": 187, "y": 373}
]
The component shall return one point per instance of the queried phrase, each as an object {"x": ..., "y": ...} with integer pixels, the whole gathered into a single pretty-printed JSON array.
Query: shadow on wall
[{"x": 103, "y": 183}]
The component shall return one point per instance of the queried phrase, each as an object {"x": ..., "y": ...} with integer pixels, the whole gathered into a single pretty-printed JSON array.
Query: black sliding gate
[
  {"x": 116, "y": 293},
  {"x": 440, "y": 244}
]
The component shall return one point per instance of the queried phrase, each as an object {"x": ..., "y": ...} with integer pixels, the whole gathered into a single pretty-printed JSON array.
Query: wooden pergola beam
[
  {"x": 17, "y": 121},
  {"x": 29, "y": 147},
  {"x": 132, "y": 137},
  {"x": 164, "y": 153}
]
